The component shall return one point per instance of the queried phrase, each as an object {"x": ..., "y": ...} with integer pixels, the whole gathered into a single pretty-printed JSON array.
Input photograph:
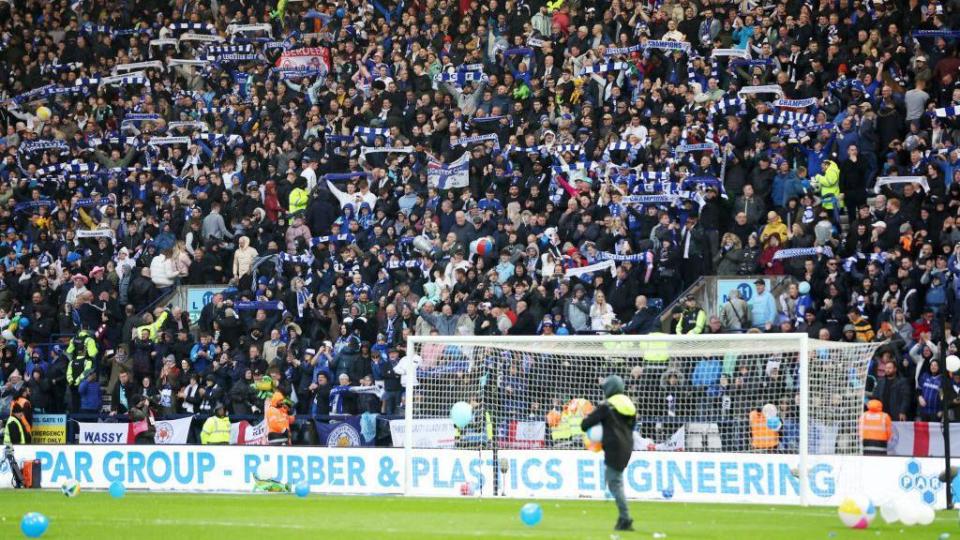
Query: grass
[{"x": 171, "y": 516}]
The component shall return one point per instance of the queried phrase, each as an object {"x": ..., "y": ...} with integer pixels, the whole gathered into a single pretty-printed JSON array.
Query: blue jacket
[
  {"x": 91, "y": 396},
  {"x": 764, "y": 309}
]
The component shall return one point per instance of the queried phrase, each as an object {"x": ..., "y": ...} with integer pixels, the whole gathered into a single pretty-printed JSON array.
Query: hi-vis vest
[
  {"x": 622, "y": 404},
  {"x": 216, "y": 430},
  {"x": 762, "y": 437},
  {"x": 875, "y": 425},
  {"x": 568, "y": 428},
  {"x": 657, "y": 352}
]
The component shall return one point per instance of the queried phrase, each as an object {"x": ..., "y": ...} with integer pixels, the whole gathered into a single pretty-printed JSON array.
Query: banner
[
  {"x": 675, "y": 443},
  {"x": 315, "y": 58},
  {"x": 346, "y": 432},
  {"x": 49, "y": 429},
  {"x": 715, "y": 477},
  {"x": 745, "y": 286},
  {"x": 197, "y": 298},
  {"x": 427, "y": 433},
  {"x": 103, "y": 432},
  {"x": 242, "y": 433},
  {"x": 165, "y": 431},
  {"x": 172, "y": 431},
  {"x": 921, "y": 439},
  {"x": 449, "y": 176},
  {"x": 526, "y": 435}
]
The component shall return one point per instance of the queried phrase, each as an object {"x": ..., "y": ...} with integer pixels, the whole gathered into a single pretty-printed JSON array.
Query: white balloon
[
  {"x": 769, "y": 410},
  {"x": 926, "y": 515},
  {"x": 953, "y": 363},
  {"x": 888, "y": 511},
  {"x": 907, "y": 510}
]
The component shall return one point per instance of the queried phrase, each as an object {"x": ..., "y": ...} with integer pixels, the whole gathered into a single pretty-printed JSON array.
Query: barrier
[{"x": 561, "y": 474}]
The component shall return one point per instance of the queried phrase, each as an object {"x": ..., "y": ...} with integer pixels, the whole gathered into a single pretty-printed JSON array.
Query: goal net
[{"x": 746, "y": 393}]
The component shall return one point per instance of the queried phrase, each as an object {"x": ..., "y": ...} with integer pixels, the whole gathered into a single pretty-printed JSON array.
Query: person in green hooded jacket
[{"x": 617, "y": 415}]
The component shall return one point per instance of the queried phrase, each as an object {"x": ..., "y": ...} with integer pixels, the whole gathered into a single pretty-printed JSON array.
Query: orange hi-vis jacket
[
  {"x": 278, "y": 421},
  {"x": 875, "y": 425},
  {"x": 761, "y": 436}
]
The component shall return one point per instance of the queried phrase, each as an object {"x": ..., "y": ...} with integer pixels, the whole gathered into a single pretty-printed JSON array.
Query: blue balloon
[
  {"x": 595, "y": 434},
  {"x": 461, "y": 414},
  {"x": 774, "y": 423},
  {"x": 34, "y": 524},
  {"x": 24, "y": 323},
  {"x": 302, "y": 489},
  {"x": 340, "y": 13},
  {"x": 531, "y": 514},
  {"x": 562, "y": 331},
  {"x": 117, "y": 490}
]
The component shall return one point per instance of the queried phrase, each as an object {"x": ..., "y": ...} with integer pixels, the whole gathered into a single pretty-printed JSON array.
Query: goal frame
[{"x": 802, "y": 341}]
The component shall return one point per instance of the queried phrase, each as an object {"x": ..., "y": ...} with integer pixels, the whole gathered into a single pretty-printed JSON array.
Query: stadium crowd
[{"x": 553, "y": 168}]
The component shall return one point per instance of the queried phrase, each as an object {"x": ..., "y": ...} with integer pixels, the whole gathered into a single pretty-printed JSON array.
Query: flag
[
  {"x": 310, "y": 58},
  {"x": 921, "y": 439},
  {"x": 449, "y": 176},
  {"x": 342, "y": 433},
  {"x": 242, "y": 433}
]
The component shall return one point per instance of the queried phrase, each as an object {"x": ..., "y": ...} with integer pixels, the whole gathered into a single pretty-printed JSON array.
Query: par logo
[
  {"x": 913, "y": 480},
  {"x": 343, "y": 435},
  {"x": 164, "y": 432}
]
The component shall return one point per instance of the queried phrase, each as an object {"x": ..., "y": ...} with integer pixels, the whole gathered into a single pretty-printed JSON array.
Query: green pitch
[{"x": 171, "y": 516}]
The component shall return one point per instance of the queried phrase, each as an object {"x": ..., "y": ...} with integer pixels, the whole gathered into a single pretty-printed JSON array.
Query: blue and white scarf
[{"x": 802, "y": 252}]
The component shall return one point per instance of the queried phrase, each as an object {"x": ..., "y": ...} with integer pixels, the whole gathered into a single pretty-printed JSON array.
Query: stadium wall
[{"x": 560, "y": 474}]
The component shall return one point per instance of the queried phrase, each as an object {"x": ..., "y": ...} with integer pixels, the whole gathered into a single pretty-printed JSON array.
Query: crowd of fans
[{"x": 648, "y": 142}]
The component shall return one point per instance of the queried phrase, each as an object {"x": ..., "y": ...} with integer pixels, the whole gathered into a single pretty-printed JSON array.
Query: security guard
[
  {"x": 617, "y": 415},
  {"x": 278, "y": 421},
  {"x": 216, "y": 429},
  {"x": 17, "y": 429},
  {"x": 693, "y": 319},
  {"x": 829, "y": 184},
  {"x": 82, "y": 351},
  {"x": 876, "y": 428}
]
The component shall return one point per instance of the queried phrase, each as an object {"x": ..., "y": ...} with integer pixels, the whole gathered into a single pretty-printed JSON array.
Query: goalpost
[{"x": 781, "y": 398}]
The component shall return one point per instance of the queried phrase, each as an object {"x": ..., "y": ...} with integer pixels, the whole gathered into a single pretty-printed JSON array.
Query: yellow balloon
[{"x": 43, "y": 113}]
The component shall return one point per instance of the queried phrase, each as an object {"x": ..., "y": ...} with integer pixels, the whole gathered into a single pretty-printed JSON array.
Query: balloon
[
  {"x": 925, "y": 515},
  {"x": 593, "y": 446},
  {"x": 24, "y": 323},
  {"x": 908, "y": 512},
  {"x": 774, "y": 423},
  {"x": 482, "y": 246},
  {"x": 953, "y": 363},
  {"x": 461, "y": 414},
  {"x": 43, "y": 113},
  {"x": 804, "y": 287},
  {"x": 302, "y": 490},
  {"x": 553, "y": 418},
  {"x": 595, "y": 434},
  {"x": 34, "y": 524},
  {"x": 531, "y": 514},
  {"x": 888, "y": 511},
  {"x": 117, "y": 491},
  {"x": 769, "y": 410},
  {"x": 562, "y": 331},
  {"x": 340, "y": 13}
]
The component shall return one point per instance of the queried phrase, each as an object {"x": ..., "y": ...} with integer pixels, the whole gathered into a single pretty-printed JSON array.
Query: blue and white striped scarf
[
  {"x": 945, "y": 112},
  {"x": 477, "y": 139},
  {"x": 345, "y": 238},
  {"x": 192, "y": 27},
  {"x": 602, "y": 68},
  {"x": 272, "y": 305},
  {"x": 802, "y": 252},
  {"x": 795, "y": 103}
]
